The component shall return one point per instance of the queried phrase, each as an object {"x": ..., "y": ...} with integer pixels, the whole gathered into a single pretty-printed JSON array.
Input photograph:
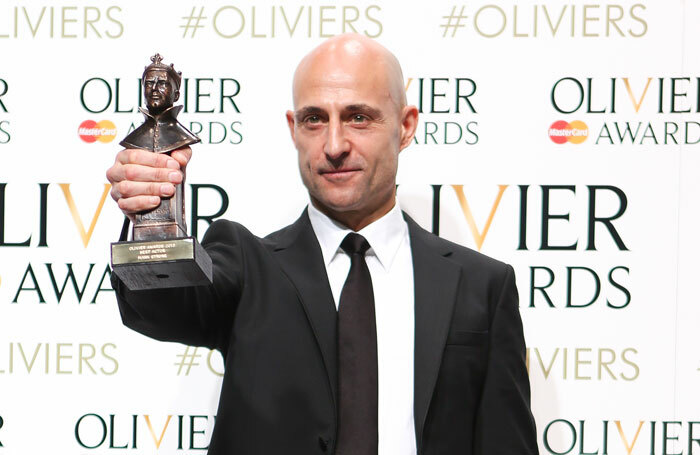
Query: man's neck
[{"x": 356, "y": 219}]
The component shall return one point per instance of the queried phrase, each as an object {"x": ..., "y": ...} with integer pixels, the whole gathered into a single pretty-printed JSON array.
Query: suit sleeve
[
  {"x": 200, "y": 315},
  {"x": 504, "y": 424}
]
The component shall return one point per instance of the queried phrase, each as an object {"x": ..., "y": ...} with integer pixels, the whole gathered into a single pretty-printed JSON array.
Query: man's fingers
[
  {"x": 147, "y": 158},
  {"x": 122, "y": 157},
  {"x": 130, "y": 156},
  {"x": 182, "y": 156},
  {"x": 140, "y": 178},
  {"x": 138, "y": 173},
  {"x": 138, "y": 204},
  {"x": 127, "y": 189}
]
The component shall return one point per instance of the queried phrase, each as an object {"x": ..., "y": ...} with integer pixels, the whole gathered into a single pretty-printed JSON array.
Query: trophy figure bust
[{"x": 160, "y": 253}]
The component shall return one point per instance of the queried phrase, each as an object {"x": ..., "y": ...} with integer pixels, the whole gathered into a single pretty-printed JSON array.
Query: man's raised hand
[{"x": 140, "y": 178}]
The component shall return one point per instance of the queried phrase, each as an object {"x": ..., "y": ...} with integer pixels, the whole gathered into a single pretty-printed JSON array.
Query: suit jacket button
[{"x": 323, "y": 443}]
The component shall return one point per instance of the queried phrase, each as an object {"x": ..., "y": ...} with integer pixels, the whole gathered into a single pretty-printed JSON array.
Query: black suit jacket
[{"x": 271, "y": 314}]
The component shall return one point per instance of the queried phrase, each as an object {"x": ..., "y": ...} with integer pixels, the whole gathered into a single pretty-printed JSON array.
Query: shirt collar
[{"x": 384, "y": 235}]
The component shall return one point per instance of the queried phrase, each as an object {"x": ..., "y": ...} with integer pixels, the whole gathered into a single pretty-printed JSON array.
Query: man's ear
[
  {"x": 177, "y": 95},
  {"x": 409, "y": 123},
  {"x": 290, "y": 123}
]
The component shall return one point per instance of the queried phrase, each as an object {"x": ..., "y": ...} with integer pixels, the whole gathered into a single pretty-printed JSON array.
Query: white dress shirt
[{"x": 391, "y": 266}]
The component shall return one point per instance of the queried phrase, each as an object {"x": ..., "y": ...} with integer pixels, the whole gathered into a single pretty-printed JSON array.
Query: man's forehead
[
  {"x": 332, "y": 95},
  {"x": 348, "y": 72},
  {"x": 344, "y": 86}
]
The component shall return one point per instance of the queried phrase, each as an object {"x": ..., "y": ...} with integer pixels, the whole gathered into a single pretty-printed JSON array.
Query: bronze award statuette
[{"x": 161, "y": 255}]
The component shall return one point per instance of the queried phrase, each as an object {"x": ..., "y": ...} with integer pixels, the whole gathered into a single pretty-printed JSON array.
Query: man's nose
[{"x": 336, "y": 143}]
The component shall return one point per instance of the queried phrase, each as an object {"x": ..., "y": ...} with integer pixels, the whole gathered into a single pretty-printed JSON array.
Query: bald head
[{"x": 340, "y": 57}]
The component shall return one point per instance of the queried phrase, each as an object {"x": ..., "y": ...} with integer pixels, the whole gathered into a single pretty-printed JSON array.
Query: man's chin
[{"x": 338, "y": 205}]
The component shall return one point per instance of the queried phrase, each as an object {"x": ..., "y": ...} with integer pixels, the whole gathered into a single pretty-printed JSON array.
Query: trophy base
[{"x": 173, "y": 263}]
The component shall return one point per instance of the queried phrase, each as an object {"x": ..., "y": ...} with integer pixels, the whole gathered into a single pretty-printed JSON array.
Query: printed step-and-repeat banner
[{"x": 562, "y": 137}]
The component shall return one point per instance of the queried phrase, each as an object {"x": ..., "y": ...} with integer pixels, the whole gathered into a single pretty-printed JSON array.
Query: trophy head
[{"x": 161, "y": 85}]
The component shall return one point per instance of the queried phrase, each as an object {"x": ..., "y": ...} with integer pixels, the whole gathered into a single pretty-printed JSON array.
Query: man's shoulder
[
  {"x": 466, "y": 257},
  {"x": 281, "y": 233},
  {"x": 224, "y": 228}
]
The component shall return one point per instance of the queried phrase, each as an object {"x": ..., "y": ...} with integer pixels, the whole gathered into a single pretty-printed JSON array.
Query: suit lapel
[
  {"x": 435, "y": 281},
  {"x": 435, "y": 285},
  {"x": 300, "y": 257}
]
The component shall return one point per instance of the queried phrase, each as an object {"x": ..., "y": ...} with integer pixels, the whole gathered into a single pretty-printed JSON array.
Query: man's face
[
  {"x": 159, "y": 90},
  {"x": 347, "y": 129}
]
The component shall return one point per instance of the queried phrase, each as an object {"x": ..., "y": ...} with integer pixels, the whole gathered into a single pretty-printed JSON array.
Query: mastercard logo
[
  {"x": 91, "y": 131},
  {"x": 575, "y": 132}
]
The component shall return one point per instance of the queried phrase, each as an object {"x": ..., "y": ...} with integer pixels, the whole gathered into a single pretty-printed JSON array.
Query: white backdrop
[{"x": 601, "y": 228}]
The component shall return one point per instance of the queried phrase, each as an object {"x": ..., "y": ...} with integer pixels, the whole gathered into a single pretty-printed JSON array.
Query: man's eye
[
  {"x": 359, "y": 118},
  {"x": 312, "y": 119}
]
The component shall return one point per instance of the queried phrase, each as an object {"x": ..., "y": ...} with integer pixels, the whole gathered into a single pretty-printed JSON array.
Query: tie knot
[{"x": 354, "y": 243}]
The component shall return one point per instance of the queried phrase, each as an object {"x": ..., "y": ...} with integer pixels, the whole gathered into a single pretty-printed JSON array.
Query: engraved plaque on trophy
[{"x": 160, "y": 254}]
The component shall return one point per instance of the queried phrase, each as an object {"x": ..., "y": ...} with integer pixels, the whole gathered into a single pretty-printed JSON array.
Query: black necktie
[{"x": 357, "y": 356}]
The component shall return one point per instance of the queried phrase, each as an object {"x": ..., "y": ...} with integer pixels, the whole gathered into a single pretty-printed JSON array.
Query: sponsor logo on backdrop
[
  {"x": 31, "y": 358},
  {"x": 447, "y": 110},
  {"x": 2, "y": 422},
  {"x": 279, "y": 21},
  {"x": 583, "y": 364},
  {"x": 210, "y": 105},
  {"x": 4, "y": 123},
  {"x": 554, "y": 20},
  {"x": 153, "y": 432},
  {"x": 561, "y": 132},
  {"x": 76, "y": 281},
  {"x": 589, "y": 437},
  {"x": 59, "y": 22},
  {"x": 632, "y": 110},
  {"x": 91, "y": 131}
]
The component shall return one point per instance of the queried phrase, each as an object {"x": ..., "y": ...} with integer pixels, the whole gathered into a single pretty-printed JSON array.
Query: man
[{"x": 392, "y": 341}]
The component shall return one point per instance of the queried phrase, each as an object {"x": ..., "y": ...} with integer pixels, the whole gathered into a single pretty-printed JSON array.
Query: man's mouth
[{"x": 339, "y": 174}]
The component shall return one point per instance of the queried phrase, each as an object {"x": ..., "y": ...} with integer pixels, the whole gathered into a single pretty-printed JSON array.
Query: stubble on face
[{"x": 348, "y": 99}]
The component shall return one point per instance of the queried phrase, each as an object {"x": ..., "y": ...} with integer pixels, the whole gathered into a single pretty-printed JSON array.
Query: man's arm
[
  {"x": 505, "y": 425},
  {"x": 200, "y": 315}
]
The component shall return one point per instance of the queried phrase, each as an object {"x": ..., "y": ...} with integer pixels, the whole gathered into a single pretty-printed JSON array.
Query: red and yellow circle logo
[
  {"x": 103, "y": 131},
  {"x": 562, "y": 131}
]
